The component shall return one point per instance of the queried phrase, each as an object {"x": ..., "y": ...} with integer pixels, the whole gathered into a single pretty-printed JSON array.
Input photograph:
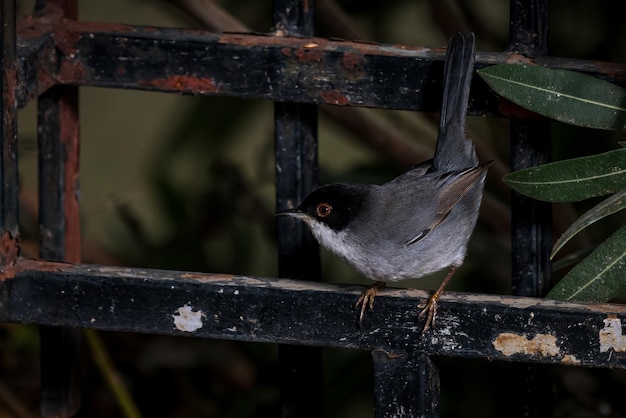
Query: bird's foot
[
  {"x": 430, "y": 312},
  {"x": 366, "y": 300}
]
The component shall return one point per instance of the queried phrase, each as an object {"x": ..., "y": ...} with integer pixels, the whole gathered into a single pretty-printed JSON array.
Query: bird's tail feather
[{"x": 454, "y": 151}]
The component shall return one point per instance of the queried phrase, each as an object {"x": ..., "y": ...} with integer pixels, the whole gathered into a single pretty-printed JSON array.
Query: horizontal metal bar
[
  {"x": 296, "y": 312},
  {"x": 252, "y": 66}
]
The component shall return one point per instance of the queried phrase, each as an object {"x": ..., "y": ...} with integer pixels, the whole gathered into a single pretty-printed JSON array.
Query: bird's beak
[{"x": 295, "y": 213}]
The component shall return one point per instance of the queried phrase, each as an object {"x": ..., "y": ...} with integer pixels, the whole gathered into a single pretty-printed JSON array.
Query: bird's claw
[
  {"x": 430, "y": 311},
  {"x": 366, "y": 300}
]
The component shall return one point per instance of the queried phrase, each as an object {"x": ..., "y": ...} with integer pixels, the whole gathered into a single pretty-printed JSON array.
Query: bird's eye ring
[{"x": 323, "y": 210}]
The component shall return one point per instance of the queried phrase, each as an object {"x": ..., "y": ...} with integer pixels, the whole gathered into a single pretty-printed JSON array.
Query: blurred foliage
[{"x": 209, "y": 207}]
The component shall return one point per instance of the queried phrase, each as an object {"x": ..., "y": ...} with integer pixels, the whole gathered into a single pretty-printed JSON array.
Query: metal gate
[{"x": 56, "y": 53}]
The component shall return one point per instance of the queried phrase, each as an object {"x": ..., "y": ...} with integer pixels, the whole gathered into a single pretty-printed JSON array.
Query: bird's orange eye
[{"x": 323, "y": 210}]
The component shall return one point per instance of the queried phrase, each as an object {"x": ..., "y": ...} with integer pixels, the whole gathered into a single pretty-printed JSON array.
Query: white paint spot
[
  {"x": 187, "y": 319},
  {"x": 611, "y": 337},
  {"x": 236, "y": 292}
]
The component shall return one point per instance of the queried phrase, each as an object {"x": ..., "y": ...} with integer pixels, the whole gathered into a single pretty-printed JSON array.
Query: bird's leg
[
  {"x": 430, "y": 311},
  {"x": 367, "y": 299}
]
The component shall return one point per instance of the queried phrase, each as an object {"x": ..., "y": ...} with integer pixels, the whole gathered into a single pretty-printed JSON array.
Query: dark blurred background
[{"x": 186, "y": 183}]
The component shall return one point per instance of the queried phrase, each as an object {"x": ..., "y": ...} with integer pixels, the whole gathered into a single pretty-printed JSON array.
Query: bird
[{"x": 419, "y": 222}]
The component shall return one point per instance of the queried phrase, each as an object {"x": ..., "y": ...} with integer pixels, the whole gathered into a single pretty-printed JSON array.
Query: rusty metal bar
[
  {"x": 279, "y": 68},
  {"x": 287, "y": 311},
  {"x": 9, "y": 241},
  {"x": 59, "y": 217},
  {"x": 59, "y": 229},
  {"x": 295, "y": 126},
  {"x": 531, "y": 220}
]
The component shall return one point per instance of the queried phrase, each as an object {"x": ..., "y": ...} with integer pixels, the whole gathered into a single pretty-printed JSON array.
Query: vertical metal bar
[
  {"x": 59, "y": 222},
  {"x": 59, "y": 232},
  {"x": 296, "y": 175},
  {"x": 9, "y": 241},
  {"x": 531, "y": 220},
  {"x": 405, "y": 385}
]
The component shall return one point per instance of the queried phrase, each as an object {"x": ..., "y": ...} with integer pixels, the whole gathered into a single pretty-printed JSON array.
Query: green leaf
[
  {"x": 572, "y": 180},
  {"x": 603, "y": 209},
  {"x": 599, "y": 277},
  {"x": 566, "y": 96}
]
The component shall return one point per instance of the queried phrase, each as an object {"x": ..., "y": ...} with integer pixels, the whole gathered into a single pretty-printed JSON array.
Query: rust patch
[
  {"x": 85, "y": 27},
  {"x": 184, "y": 83},
  {"x": 249, "y": 40},
  {"x": 540, "y": 344},
  {"x": 611, "y": 68},
  {"x": 514, "y": 58},
  {"x": 68, "y": 109},
  {"x": 71, "y": 72},
  {"x": 25, "y": 264},
  {"x": 309, "y": 54},
  {"x": 388, "y": 354},
  {"x": 207, "y": 276},
  {"x": 10, "y": 75},
  {"x": 9, "y": 248},
  {"x": 334, "y": 97},
  {"x": 286, "y": 52},
  {"x": 351, "y": 59}
]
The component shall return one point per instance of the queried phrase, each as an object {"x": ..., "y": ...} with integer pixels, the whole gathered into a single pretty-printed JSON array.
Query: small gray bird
[{"x": 419, "y": 222}]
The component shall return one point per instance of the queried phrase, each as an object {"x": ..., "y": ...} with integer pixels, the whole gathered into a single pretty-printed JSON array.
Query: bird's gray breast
[{"x": 398, "y": 212}]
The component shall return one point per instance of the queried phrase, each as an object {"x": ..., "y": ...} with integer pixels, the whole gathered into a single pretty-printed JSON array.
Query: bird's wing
[{"x": 454, "y": 187}]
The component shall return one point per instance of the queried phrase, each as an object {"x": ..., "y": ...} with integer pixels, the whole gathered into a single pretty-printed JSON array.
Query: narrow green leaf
[
  {"x": 572, "y": 180},
  {"x": 603, "y": 209},
  {"x": 599, "y": 277},
  {"x": 566, "y": 96}
]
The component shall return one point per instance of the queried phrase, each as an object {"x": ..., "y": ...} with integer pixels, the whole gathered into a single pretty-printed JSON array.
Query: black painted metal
[
  {"x": 406, "y": 384},
  {"x": 60, "y": 396},
  {"x": 295, "y": 127},
  {"x": 8, "y": 126},
  {"x": 299, "y": 312},
  {"x": 531, "y": 220},
  {"x": 51, "y": 181},
  {"x": 59, "y": 389},
  {"x": 276, "y": 68}
]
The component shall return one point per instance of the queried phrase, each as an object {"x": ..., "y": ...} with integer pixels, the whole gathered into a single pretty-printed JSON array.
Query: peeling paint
[
  {"x": 351, "y": 59},
  {"x": 334, "y": 97},
  {"x": 25, "y": 264},
  {"x": 308, "y": 54},
  {"x": 184, "y": 83},
  {"x": 570, "y": 359},
  {"x": 540, "y": 344},
  {"x": 611, "y": 337},
  {"x": 188, "y": 320},
  {"x": 9, "y": 249}
]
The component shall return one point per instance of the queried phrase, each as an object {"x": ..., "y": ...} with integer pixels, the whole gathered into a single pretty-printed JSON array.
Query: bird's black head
[{"x": 335, "y": 205}]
